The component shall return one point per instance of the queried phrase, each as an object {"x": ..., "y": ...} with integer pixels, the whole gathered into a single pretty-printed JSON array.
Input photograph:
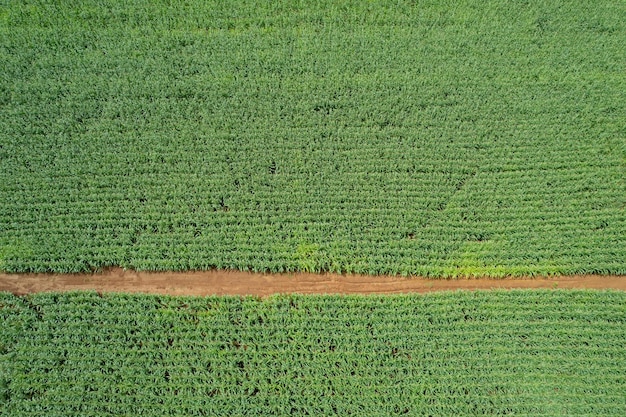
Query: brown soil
[{"x": 246, "y": 283}]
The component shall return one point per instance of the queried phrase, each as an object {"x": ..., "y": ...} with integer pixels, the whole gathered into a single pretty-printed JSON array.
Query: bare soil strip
[{"x": 247, "y": 283}]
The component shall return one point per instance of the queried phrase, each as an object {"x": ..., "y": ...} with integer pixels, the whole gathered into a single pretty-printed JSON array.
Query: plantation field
[
  {"x": 525, "y": 353},
  {"x": 415, "y": 138}
]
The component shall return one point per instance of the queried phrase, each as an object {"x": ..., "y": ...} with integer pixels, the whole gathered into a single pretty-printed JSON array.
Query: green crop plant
[
  {"x": 417, "y": 138},
  {"x": 540, "y": 353}
]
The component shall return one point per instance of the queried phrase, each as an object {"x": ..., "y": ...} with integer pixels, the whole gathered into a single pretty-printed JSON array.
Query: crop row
[
  {"x": 413, "y": 139},
  {"x": 523, "y": 352}
]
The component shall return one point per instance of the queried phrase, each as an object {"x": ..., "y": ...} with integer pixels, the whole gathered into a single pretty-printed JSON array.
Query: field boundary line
[{"x": 221, "y": 282}]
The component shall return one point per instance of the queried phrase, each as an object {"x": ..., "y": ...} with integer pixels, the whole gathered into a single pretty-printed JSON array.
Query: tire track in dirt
[{"x": 218, "y": 282}]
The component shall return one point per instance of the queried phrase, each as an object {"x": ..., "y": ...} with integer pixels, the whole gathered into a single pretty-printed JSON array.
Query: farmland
[
  {"x": 204, "y": 139},
  {"x": 530, "y": 353},
  {"x": 480, "y": 139}
]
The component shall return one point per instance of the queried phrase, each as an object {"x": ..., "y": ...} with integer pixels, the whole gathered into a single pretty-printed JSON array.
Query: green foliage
[
  {"x": 405, "y": 137},
  {"x": 537, "y": 353}
]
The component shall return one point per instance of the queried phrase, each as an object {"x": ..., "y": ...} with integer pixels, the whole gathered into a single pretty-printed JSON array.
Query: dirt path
[{"x": 240, "y": 283}]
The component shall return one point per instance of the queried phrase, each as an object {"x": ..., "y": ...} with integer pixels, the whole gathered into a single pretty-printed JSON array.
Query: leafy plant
[{"x": 384, "y": 139}]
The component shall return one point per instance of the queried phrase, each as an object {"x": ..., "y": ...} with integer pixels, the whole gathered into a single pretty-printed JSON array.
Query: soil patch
[{"x": 219, "y": 282}]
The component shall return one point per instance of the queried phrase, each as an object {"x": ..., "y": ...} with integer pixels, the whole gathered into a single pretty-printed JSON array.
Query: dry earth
[{"x": 219, "y": 282}]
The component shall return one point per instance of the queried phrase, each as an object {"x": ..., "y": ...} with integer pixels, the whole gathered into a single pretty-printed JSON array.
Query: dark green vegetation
[
  {"x": 470, "y": 138},
  {"x": 525, "y": 353}
]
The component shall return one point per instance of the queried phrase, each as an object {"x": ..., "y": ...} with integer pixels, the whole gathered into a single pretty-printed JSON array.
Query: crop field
[
  {"x": 426, "y": 138},
  {"x": 523, "y": 353},
  {"x": 415, "y": 138}
]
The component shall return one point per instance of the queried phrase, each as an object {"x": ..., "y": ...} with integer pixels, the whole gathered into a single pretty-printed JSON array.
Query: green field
[
  {"x": 428, "y": 137},
  {"x": 523, "y": 353}
]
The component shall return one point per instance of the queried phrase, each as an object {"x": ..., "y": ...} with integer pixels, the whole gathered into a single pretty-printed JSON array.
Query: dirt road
[{"x": 243, "y": 283}]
